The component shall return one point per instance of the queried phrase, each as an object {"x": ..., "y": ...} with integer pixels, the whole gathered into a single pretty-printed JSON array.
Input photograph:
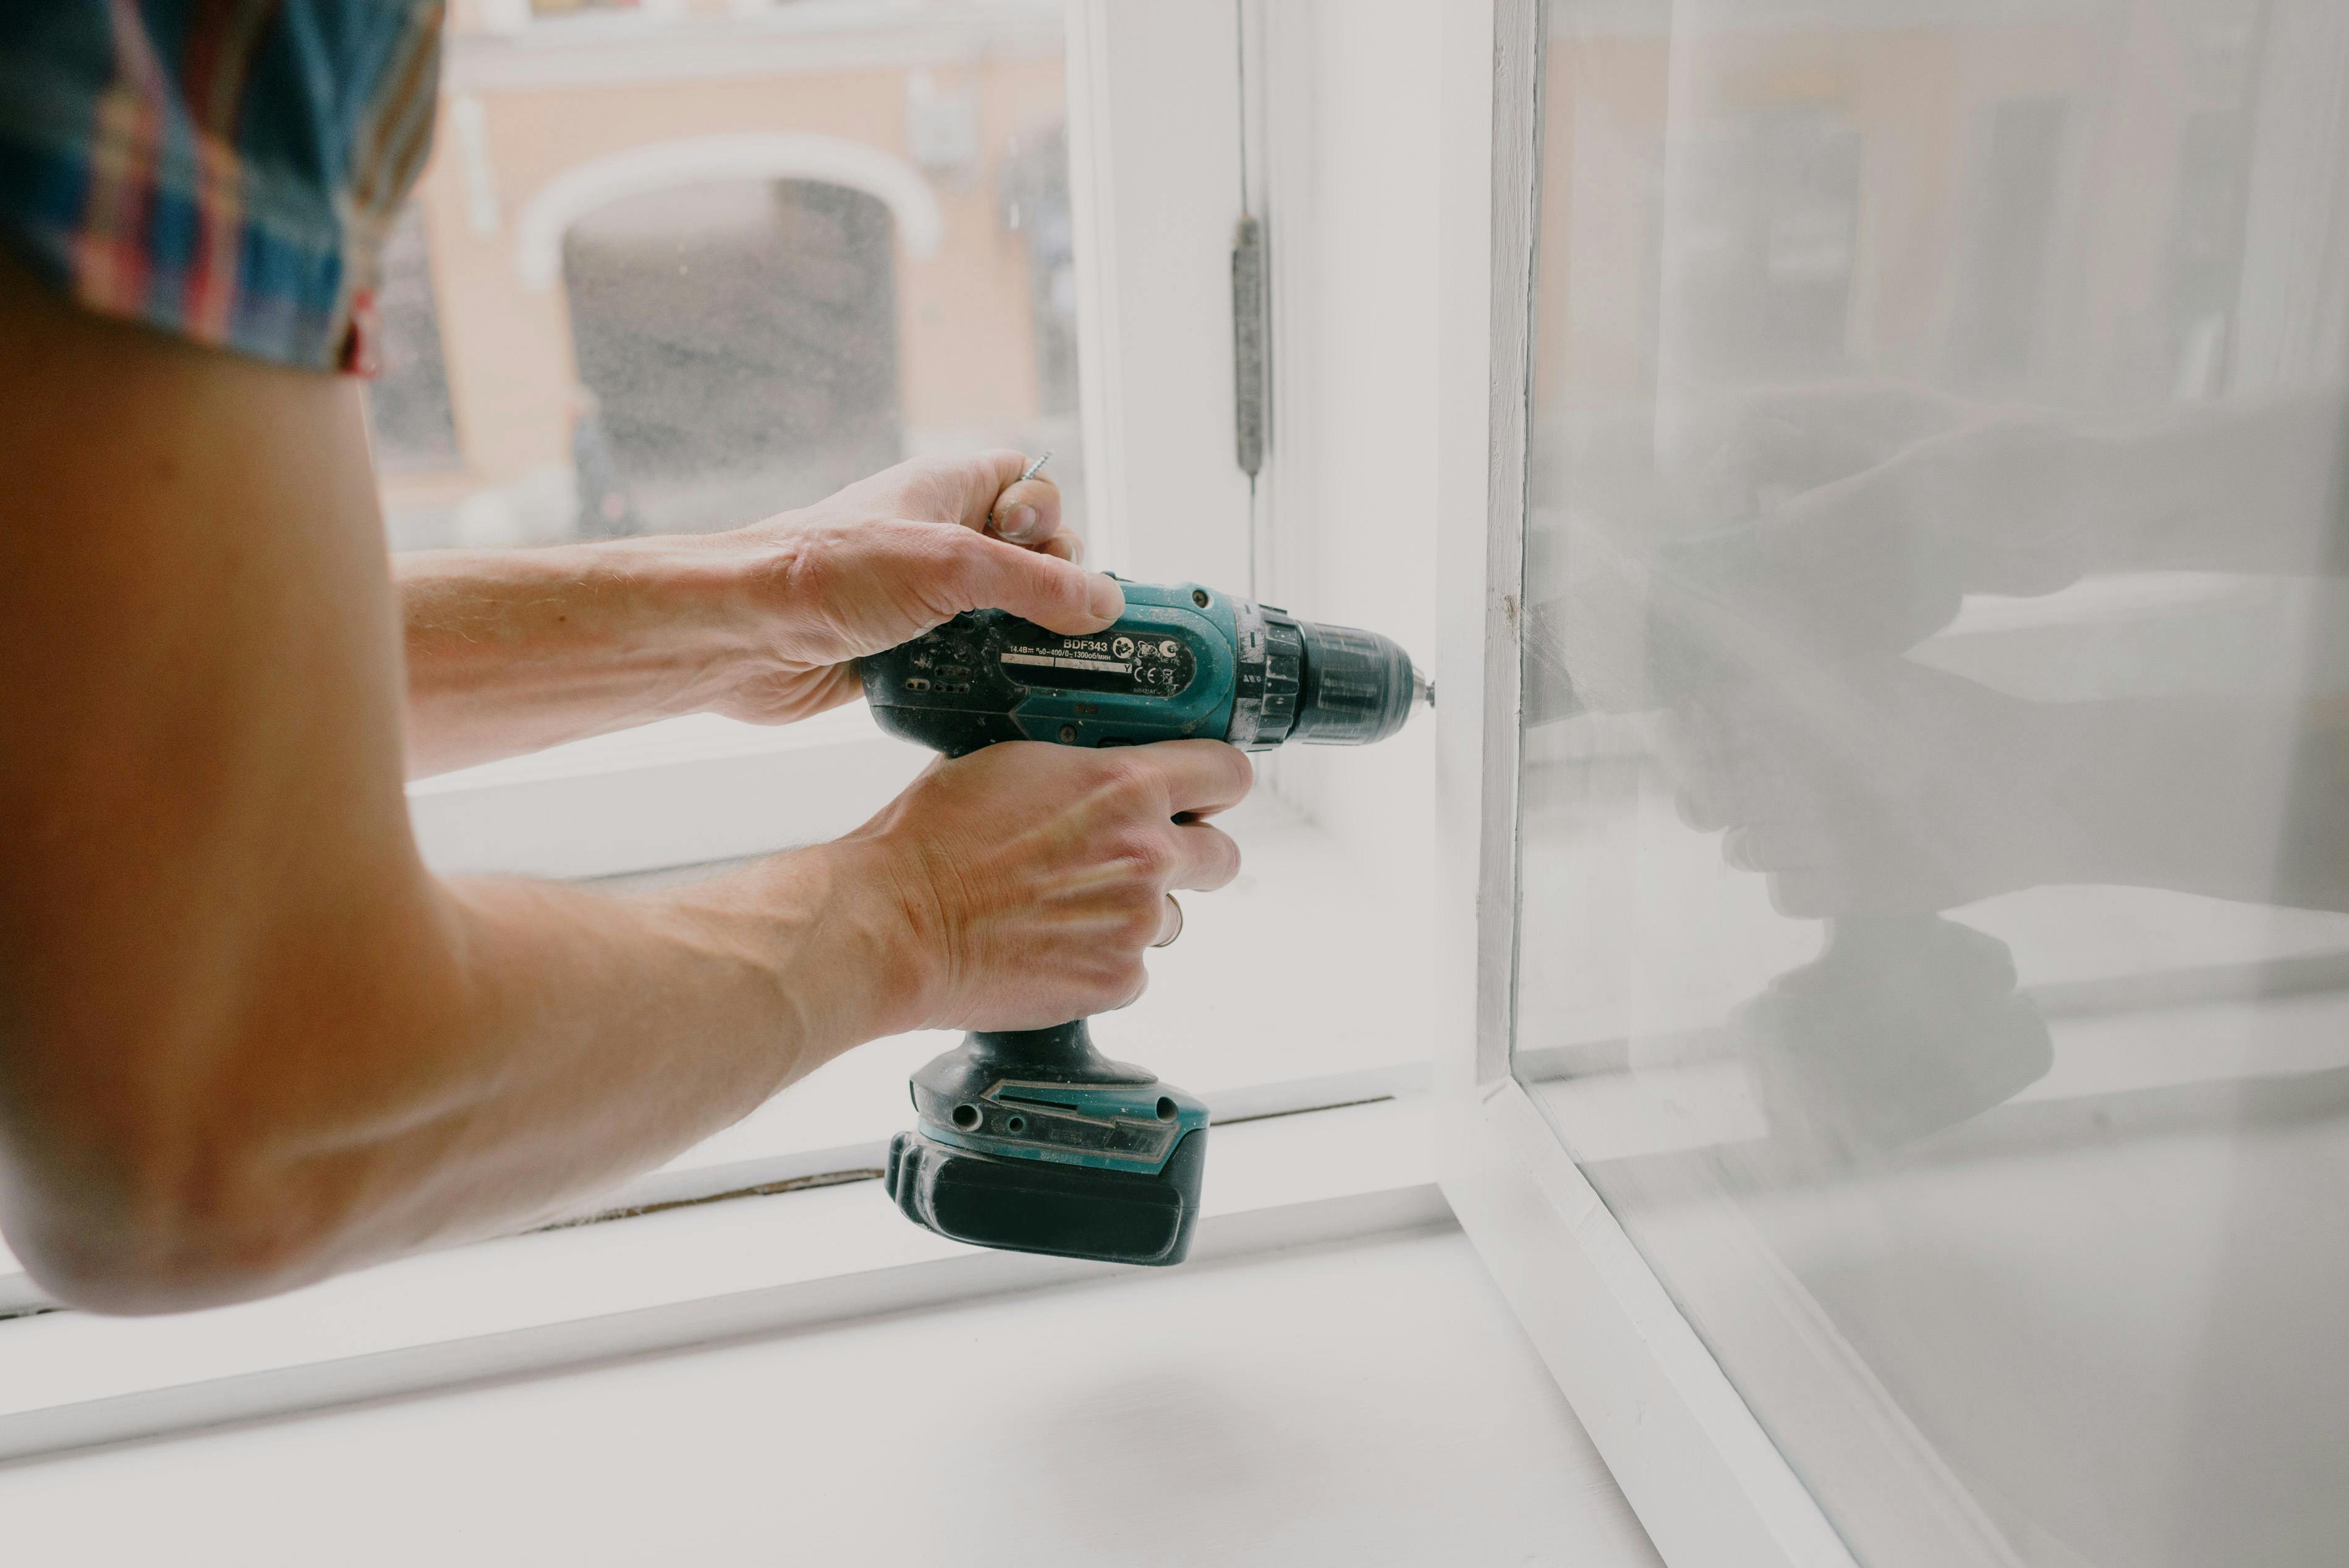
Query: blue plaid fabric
[{"x": 225, "y": 170}]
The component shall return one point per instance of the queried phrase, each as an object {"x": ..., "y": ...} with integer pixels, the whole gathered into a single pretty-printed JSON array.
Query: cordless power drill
[{"x": 1029, "y": 1139}]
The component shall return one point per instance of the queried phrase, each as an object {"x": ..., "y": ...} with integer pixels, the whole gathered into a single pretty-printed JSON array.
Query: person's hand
[
  {"x": 1028, "y": 879},
  {"x": 886, "y": 559},
  {"x": 1857, "y": 518},
  {"x": 1885, "y": 788}
]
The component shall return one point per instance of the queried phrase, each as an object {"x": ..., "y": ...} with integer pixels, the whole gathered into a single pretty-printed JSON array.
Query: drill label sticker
[
  {"x": 1062, "y": 662},
  {"x": 1156, "y": 666}
]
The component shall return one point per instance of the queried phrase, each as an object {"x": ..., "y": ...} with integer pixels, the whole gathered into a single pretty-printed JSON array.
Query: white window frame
[
  {"x": 801, "y": 1237},
  {"x": 1695, "y": 1464}
]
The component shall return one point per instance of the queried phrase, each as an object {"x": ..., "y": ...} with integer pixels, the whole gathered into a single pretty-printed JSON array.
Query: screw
[{"x": 1199, "y": 597}]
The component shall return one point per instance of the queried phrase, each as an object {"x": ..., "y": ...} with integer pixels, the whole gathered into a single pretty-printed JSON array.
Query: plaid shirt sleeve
[{"x": 224, "y": 169}]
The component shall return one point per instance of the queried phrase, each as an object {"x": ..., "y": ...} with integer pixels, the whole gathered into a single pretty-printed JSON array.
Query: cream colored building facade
[{"x": 549, "y": 117}]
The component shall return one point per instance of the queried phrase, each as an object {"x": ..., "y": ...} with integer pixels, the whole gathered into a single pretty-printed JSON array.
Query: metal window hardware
[{"x": 1249, "y": 371}]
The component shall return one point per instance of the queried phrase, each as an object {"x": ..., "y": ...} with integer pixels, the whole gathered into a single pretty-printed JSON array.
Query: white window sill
[
  {"x": 681, "y": 793},
  {"x": 684, "y": 1276}
]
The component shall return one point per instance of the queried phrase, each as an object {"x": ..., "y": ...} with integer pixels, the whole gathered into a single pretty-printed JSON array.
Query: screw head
[
  {"x": 1199, "y": 597},
  {"x": 1067, "y": 734}
]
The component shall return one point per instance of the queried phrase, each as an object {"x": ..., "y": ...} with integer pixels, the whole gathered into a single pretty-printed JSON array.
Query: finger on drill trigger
[{"x": 1200, "y": 776}]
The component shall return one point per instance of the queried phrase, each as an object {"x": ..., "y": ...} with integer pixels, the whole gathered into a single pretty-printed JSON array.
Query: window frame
[{"x": 1705, "y": 1477}]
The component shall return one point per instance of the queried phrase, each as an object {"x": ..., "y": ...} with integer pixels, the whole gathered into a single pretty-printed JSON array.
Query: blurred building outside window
[{"x": 794, "y": 244}]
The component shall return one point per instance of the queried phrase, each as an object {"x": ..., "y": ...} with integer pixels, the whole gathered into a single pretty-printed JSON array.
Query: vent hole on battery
[
  {"x": 1165, "y": 1109},
  {"x": 966, "y": 1117},
  {"x": 1015, "y": 1124}
]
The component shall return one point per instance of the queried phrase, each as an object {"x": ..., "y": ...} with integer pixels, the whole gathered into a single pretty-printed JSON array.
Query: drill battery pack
[{"x": 1035, "y": 1206}]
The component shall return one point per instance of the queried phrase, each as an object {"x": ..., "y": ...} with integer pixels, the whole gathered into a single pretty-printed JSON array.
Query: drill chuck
[{"x": 1323, "y": 686}]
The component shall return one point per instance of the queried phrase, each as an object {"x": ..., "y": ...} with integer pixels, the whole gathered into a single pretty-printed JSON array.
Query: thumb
[{"x": 1057, "y": 595}]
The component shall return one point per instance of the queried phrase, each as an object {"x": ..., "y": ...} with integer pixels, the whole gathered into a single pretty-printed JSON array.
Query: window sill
[
  {"x": 680, "y": 792},
  {"x": 688, "y": 1276}
]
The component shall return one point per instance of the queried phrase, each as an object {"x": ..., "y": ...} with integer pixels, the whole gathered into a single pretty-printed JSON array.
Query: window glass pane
[
  {"x": 679, "y": 266},
  {"x": 1935, "y": 767}
]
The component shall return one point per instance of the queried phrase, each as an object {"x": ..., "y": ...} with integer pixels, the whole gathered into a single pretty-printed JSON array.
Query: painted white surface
[
  {"x": 1369, "y": 1404},
  {"x": 1347, "y": 508},
  {"x": 682, "y": 791},
  {"x": 1155, "y": 194},
  {"x": 1710, "y": 1487},
  {"x": 689, "y": 1276}
]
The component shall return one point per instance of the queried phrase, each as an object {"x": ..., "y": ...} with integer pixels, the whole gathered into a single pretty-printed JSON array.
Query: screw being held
[{"x": 1023, "y": 517}]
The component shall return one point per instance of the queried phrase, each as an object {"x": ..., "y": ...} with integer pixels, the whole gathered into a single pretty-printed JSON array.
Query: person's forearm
[
  {"x": 450, "y": 1061},
  {"x": 586, "y": 1037},
  {"x": 510, "y": 651},
  {"x": 2252, "y": 486},
  {"x": 245, "y": 1038}
]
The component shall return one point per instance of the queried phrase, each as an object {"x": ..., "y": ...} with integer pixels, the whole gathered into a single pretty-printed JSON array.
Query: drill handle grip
[{"x": 1063, "y": 1053}]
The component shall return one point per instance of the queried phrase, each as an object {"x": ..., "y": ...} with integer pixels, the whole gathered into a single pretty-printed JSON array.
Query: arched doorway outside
[{"x": 736, "y": 340}]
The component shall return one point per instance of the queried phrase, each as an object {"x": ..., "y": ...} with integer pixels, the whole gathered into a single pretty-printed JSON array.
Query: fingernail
[
  {"x": 1016, "y": 522},
  {"x": 1105, "y": 599}
]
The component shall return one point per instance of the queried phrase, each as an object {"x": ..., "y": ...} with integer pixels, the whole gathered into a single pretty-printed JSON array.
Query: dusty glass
[
  {"x": 1935, "y": 760},
  {"x": 679, "y": 266}
]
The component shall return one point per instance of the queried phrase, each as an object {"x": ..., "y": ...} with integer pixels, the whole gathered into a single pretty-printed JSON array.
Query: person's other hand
[
  {"x": 1031, "y": 877},
  {"x": 1879, "y": 788},
  {"x": 886, "y": 559},
  {"x": 1862, "y": 517}
]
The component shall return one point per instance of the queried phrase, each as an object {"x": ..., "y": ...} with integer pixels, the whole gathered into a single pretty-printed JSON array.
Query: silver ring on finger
[{"x": 1169, "y": 940}]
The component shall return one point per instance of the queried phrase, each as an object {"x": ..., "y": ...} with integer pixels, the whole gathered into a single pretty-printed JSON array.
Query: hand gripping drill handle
[{"x": 1029, "y": 1139}]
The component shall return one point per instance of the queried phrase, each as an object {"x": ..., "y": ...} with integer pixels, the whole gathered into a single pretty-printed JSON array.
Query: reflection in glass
[
  {"x": 1935, "y": 942},
  {"x": 680, "y": 267}
]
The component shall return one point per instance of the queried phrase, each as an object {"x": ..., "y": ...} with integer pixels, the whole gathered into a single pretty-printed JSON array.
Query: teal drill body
[
  {"x": 1031, "y": 1139},
  {"x": 1167, "y": 671}
]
